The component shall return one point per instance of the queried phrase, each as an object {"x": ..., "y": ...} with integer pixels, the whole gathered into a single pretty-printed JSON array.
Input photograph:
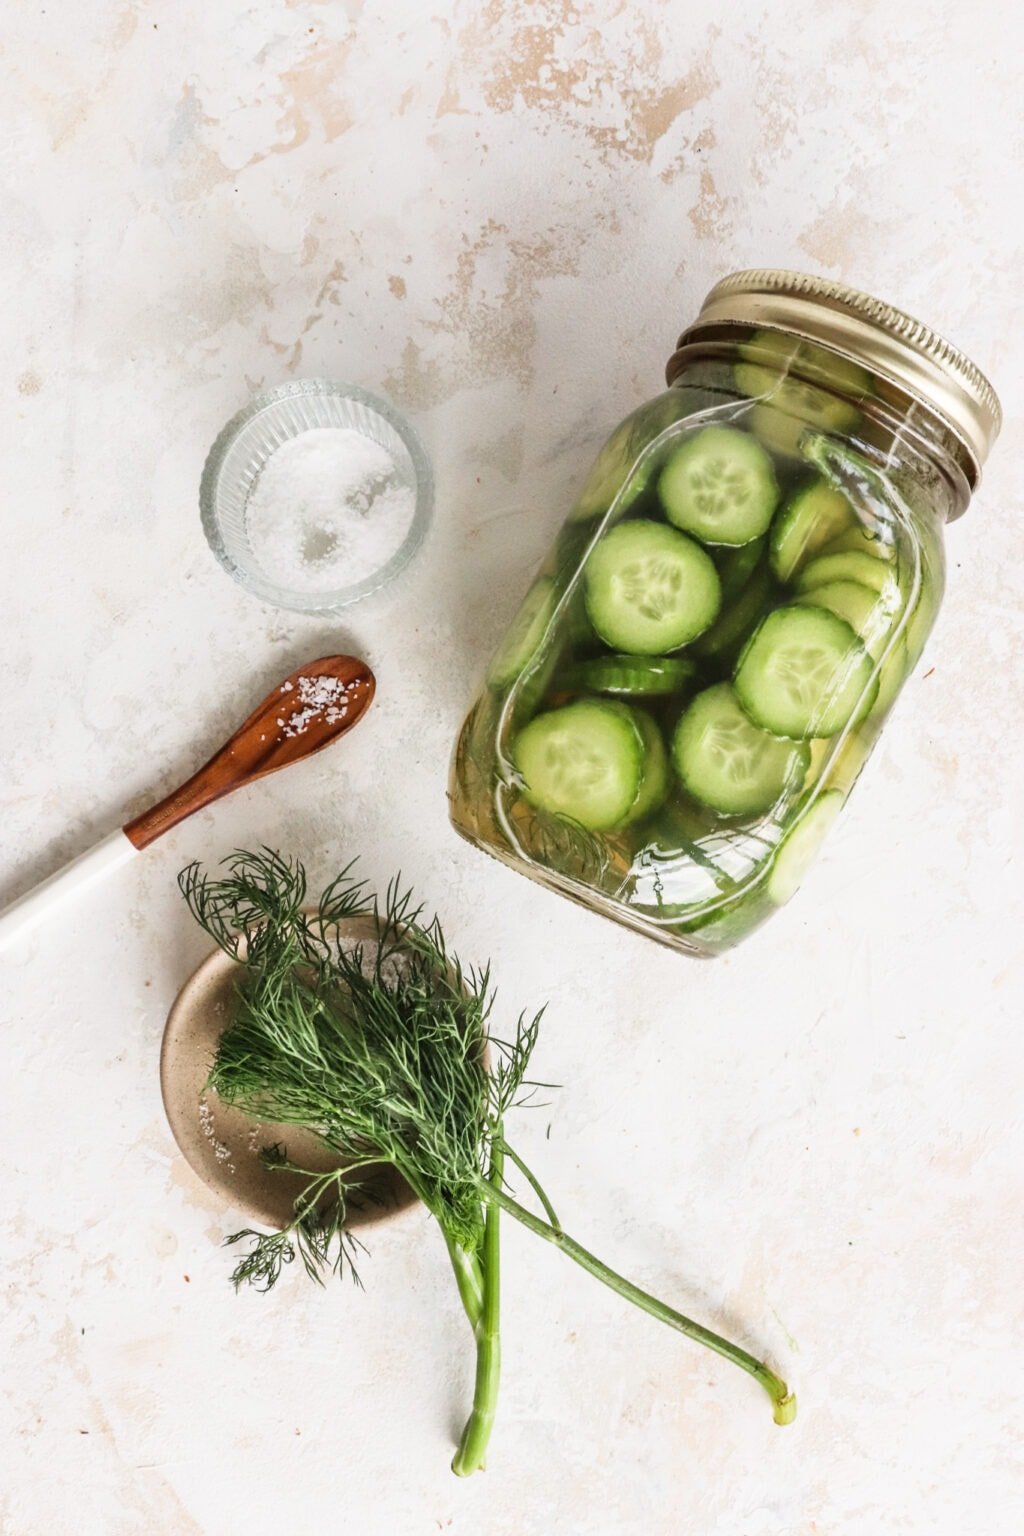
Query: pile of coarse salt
[
  {"x": 328, "y": 509},
  {"x": 221, "y": 1151},
  {"x": 318, "y": 698}
]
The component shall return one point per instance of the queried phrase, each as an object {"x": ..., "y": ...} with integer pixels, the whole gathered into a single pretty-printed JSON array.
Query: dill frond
[
  {"x": 383, "y": 1050},
  {"x": 378, "y": 1048}
]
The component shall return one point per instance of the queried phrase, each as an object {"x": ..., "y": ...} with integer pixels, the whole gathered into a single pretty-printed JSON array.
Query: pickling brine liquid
[{"x": 701, "y": 668}]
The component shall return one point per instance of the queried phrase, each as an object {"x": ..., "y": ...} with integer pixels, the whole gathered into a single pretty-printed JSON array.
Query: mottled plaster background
[{"x": 499, "y": 214}]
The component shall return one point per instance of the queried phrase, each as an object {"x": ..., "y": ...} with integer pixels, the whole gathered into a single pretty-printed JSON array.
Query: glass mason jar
[{"x": 704, "y": 662}]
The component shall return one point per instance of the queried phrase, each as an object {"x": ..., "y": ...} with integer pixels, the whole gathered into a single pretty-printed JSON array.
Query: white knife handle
[{"x": 71, "y": 881}]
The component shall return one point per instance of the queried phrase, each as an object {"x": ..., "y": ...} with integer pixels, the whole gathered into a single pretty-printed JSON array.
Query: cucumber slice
[
  {"x": 804, "y": 673},
  {"x": 820, "y": 754},
  {"x": 720, "y": 486},
  {"x": 799, "y": 848},
  {"x": 870, "y": 614},
  {"x": 860, "y": 540},
  {"x": 891, "y": 677},
  {"x": 811, "y": 518},
  {"x": 779, "y": 369},
  {"x": 650, "y": 589},
  {"x": 628, "y": 677},
  {"x": 655, "y": 777},
  {"x": 736, "y": 623},
  {"x": 525, "y": 634},
  {"x": 608, "y": 474},
  {"x": 570, "y": 547},
  {"x": 783, "y": 424},
  {"x": 584, "y": 761},
  {"x": 736, "y": 565},
  {"x": 848, "y": 566},
  {"x": 839, "y": 763},
  {"x": 856, "y": 749},
  {"x": 578, "y": 630},
  {"x": 728, "y": 764},
  {"x": 617, "y": 468},
  {"x": 779, "y": 351},
  {"x": 922, "y": 620}
]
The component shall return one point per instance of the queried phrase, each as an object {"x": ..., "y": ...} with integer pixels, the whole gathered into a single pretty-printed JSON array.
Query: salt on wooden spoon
[{"x": 312, "y": 707}]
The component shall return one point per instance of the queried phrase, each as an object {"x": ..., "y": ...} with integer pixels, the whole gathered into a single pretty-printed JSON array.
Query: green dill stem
[
  {"x": 472, "y": 1452},
  {"x": 534, "y": 1184},
  {"x": 466, "y": 1264},
  {"x": 783, "y": 1401},
  {"x": 469, "y": 1278}
]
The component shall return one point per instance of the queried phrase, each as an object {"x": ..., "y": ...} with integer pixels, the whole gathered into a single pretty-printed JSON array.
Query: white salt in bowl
[{"x": 315, "y": 495}]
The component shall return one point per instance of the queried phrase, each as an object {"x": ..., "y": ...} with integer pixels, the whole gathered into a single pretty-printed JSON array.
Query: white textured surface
[{"x": 499, "y": 214}]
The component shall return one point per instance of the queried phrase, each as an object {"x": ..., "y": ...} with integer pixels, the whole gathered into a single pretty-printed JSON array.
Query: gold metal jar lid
[{"x": 889, "y": 343}]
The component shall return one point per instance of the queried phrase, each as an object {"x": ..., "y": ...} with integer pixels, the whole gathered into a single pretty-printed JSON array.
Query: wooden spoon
[{"x": 312, "y": 707}]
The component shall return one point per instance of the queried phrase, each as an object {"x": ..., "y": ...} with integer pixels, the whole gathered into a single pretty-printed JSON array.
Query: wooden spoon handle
[{"x": 207, "y": 784}]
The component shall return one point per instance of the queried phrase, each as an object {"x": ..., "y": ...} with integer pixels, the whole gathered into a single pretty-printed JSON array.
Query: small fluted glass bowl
[{"x": 239, "y": 455}]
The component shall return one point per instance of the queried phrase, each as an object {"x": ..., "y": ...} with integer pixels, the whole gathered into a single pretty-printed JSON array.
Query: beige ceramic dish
[{"x": 221, "y": 1144}]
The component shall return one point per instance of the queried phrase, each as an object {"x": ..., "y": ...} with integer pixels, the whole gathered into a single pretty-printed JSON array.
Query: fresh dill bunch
[
  {"x": 383, "y": 1049},
  {"x": 380, "y": 1049}
]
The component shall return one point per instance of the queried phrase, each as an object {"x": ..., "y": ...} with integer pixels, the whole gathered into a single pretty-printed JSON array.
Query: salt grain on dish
[
  {"x": 328, "y": 509},
  {"x": 220, "y": 1151}
]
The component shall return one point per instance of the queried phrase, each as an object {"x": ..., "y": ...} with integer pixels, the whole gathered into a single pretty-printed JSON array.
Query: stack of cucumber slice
[
  {"x": 795, "y": 384},
  {"x": 725, "y": 632}
]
